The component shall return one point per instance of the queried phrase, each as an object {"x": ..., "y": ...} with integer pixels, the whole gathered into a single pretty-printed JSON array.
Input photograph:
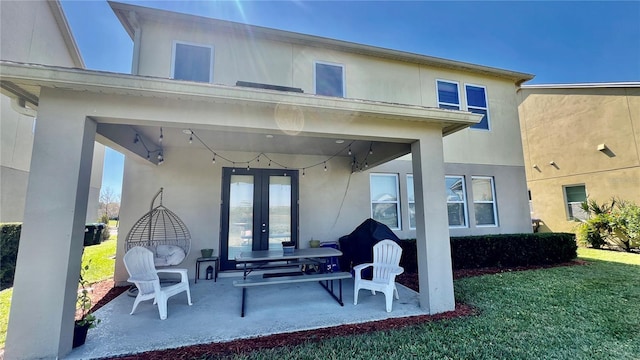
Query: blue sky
[{"x": 558, "y": 42}]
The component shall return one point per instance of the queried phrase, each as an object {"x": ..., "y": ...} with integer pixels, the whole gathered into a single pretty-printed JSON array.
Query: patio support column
[
  {"x": 432, "y": 227},
  {"x": 51, "y": 243}
]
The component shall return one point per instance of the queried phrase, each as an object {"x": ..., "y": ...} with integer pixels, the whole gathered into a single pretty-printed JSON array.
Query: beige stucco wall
[
  {"x": 566, "y": 126},
  {"x": 238, "y": 58},
  {"x": 30, "y": 33}
]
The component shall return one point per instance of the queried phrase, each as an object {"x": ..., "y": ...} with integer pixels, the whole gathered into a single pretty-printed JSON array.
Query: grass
[
  {"x": 577, "y": 312},
  {"x": 102, "y": 264}
]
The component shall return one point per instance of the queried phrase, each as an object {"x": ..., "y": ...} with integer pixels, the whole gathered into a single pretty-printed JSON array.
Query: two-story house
[
  {"x": 33, "y": 32},
  {"x": 258, "y": 135}
]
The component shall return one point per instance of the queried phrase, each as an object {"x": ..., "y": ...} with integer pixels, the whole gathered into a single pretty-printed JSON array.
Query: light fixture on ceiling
[{"x": 339, "y": 141}]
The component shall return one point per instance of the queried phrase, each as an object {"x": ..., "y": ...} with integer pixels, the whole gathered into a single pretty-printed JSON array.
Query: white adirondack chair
[
  {"x": 143, "y": 273},
  {"x": 386, "y": 260}
]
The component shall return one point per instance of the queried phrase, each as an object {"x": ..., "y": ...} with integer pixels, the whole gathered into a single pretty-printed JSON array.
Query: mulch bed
[{"x": 104, "y": 291}]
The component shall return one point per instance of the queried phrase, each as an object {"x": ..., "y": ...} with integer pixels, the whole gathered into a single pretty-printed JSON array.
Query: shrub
[
  {"x": 9, "y": 240},
  {"x": 503, "y": 250},
  {"x": 616, "y": 224}
]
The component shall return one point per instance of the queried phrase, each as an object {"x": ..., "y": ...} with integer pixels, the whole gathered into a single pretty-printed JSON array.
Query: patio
[{"x": 215, "y": 316}]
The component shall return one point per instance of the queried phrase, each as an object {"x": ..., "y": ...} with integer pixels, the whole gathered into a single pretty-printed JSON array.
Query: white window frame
[
  {"x": 463, "y": 202},
  {"x": 567, "y": 204},
  {"x": 173, "y": 56},
  {"x": 315, "y": 76},
  {"x": 494, "y": 201},
  {"x": 459, "y": 104},
  {"x": 409, "y": 202},
  {"x": 397, "y": 201},
  {"x": 486, "y": 101}
]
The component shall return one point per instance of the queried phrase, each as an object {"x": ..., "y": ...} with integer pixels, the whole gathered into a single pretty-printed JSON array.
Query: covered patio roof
[{"x": 293, "y": 112}]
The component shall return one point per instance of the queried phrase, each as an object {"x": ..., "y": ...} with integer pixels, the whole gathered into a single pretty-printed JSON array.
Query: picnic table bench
[{"x": 273, "y": 259}]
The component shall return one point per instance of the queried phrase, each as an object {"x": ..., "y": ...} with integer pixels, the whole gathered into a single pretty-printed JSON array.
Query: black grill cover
[{"x": 357, "y": 247}]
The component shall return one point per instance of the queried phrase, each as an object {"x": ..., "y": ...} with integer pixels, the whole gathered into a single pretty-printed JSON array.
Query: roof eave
[{"x": 122, "y": 10}]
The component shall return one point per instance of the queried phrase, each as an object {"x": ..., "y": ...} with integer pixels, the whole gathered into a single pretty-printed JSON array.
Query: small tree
[{"x": 616, "y": 224}]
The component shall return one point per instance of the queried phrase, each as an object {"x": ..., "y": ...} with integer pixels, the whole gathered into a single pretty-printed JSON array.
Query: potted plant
[{"x": 85, "y": 318}]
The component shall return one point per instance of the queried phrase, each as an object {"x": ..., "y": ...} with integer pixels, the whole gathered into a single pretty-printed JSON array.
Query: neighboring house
[
  {"x": 579, "y": 140},
  {"x": 260, "y": 135},
  {"x": 33, "y": 32}
]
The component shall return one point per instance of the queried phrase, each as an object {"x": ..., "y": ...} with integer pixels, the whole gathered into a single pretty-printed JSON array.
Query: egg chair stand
[{"x": 162, "y": 232}]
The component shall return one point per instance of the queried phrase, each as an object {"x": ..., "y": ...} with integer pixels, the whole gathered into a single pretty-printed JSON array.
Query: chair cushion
[{"x": 167, "y": 255}]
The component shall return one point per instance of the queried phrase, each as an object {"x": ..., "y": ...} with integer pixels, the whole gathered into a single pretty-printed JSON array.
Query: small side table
[{"x": 215, "y": 267}]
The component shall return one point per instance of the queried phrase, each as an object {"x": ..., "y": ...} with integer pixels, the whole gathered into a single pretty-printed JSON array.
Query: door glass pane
[
  {"x": 240, "y": 215},
  {"x": 279, "y": 211}
]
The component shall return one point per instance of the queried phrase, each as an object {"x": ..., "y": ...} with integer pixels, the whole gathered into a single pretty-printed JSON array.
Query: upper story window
[
  {"x": 477, "y": 103},
  {"x": 456, "y": 201},
  {"x": 329, "y": 79},
  {"x": 448, "y": 95},
  {"x": 385, "y": 199},
  {"x": 192, "y": 62},
  {"x": 575, "y": 196},
  {"x": 484, "y": 203}
]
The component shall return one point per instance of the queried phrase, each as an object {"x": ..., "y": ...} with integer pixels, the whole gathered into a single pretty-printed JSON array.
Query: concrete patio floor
[{"x": 215, "y": 316}]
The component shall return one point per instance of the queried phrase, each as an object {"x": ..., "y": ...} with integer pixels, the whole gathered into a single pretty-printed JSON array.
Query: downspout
[
  {"x": 137, "y": 33},
  {"x": 20, "y": 106}
]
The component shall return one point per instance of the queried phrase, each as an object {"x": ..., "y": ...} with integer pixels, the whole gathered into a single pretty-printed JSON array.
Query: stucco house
[
  {"x": 33, "y": 32},
  {"x": 579, "y": 141},
  {"x": 259, "y": 135}
]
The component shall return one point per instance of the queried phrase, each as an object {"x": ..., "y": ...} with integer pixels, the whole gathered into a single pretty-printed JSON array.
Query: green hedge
[
  {"x": 9, "y": 238},
  {"x": 503, "y": 250}
]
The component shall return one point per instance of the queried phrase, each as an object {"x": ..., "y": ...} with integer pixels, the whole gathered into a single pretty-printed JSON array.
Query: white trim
[
  {"x": 494, "y": 201},
  {"x": 397, "y": 202},
  {"x": 173, "y": 56},
  {"x": 628, "y": 84},
  {"x": 464, "y": 202},
  {"x": 438, "y": 102},
  {"x": 344, "y": 76},
  {"x": 409, "y": 202},
  {"x": 486, "y": 101}
]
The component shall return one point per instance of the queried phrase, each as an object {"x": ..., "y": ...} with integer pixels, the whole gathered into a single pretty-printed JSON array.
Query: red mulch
[{"x": 103, "y": 292}]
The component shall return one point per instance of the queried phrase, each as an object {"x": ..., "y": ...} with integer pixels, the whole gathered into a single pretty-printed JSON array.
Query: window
[
  {"x": 385, "y": 202},
  {"x": 456, "y": 201},
  {"x": 329, "y": 79},
  {"x": 192, "y": 62},
  {"x": 448, "y": 95},
  {"x": 412, "y": 202},
  {"x": 477, "y": 103},
  {"x": 484, "y": 203},
  {"x": 575, "y": 196}
]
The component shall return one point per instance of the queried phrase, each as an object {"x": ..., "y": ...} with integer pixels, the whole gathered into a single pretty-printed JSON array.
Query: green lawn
[
  {"x": 102, "y": 264},
  {"x": 577, "y": 312}
]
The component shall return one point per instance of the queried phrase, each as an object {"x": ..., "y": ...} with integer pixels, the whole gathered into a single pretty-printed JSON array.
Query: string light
[
  {"x": 356, "y": 166},
  {"x": 137, "y": 139},
  {"x": 161, "y": 135}
]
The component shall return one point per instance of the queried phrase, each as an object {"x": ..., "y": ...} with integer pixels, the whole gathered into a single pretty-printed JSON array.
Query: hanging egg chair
[{"x": 161, "y": 231}]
